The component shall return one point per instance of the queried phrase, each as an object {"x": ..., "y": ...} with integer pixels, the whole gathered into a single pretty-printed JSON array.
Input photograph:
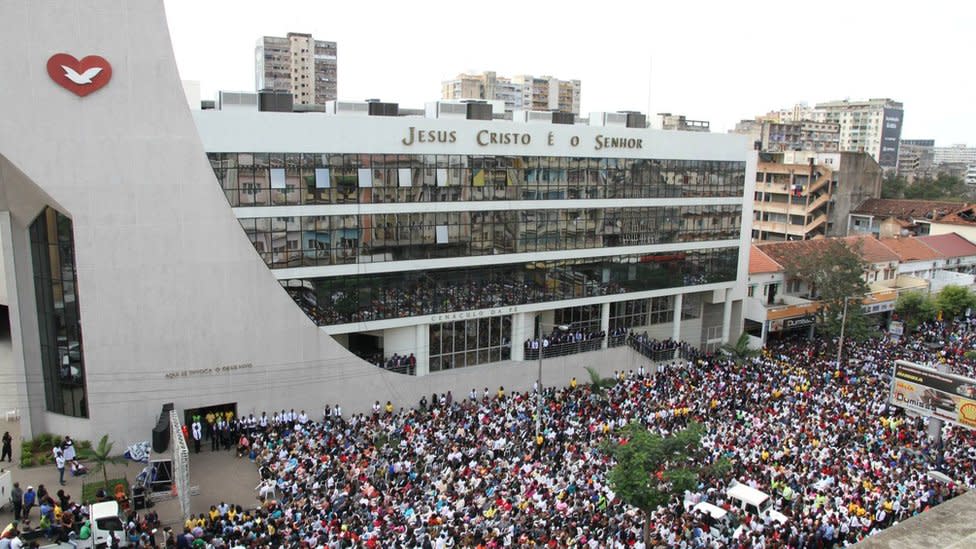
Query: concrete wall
[{"x": 858, "y": 179}]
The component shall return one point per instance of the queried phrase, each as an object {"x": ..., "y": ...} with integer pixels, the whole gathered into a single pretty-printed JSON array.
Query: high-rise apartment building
[
  {"x": 800, "y": 135},
  {"x": 872, "y": 126},
  {"x": 521, "y": 92},
  {"x": 297, "y": 63}
]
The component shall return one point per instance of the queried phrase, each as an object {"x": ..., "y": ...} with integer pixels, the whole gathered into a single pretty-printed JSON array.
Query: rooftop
[
  {"x": 950, "y": 245},
  {"x": 965, "y": 215},
  {"x": 905, "y": 208},
  {"x": 759, "y": 262},
  {"x": 869, "y": 248},
  {"x": 911, "y": 249}
]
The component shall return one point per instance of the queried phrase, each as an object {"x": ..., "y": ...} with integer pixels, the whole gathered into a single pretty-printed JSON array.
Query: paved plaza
[{"x": 219, "y": 476}]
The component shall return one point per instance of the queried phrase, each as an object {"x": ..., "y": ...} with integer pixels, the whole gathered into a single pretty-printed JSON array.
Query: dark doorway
[
  {"x": 207, "y": 414},
  {"x": 4, "y": 323},
  {"x": 368, "y": 347}
]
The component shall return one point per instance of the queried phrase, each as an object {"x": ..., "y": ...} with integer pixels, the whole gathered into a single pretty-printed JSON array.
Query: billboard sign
[
  {"x": 890, "y": 137},
  {"x": 935, "y": 394}
]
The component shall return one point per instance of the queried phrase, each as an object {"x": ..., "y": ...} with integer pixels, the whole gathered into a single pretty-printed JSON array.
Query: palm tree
[
  {"x": 598, "y": 385},
  {"x": 740, "y": 351},
  {"x": 101, "y": 456}
]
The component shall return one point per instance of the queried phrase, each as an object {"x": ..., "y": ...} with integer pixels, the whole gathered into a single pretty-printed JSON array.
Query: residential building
[
  {"x": 753, "y": 130},
  {"x": 801, "y": 195},
  {"x": 297, "y": 63},
  {"x": 887, "y": 217},
  {"x": 916, "y": 158},
  {"x": 521, "y": 92},
  {"x": 955, "y": 154},
  {"x": 802, "y": 135},
  {"x": 779, "y": 303},
  {"x": 961, "y": 220},
  {"x": 915, "y": 257},
  {"x": 872, "y": 126},
  {"x": 233, "y": 258},
  {"x": 959, "y": 252},
  {"x": 678, "y": 122}
]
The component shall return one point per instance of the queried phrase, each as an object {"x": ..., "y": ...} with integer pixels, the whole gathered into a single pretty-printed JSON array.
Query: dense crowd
[
  {"x": 839, "y": 462},
  {"x": 564, "y": 342},
  {"x": 657, "y": 350},
  {"x": 425, "y": 299}
]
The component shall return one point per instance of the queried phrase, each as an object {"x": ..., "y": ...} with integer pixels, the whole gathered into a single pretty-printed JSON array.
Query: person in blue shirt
[{"x": 30, "y": 498}]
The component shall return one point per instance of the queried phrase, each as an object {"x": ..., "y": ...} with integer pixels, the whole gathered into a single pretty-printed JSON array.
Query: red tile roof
[
  {"x": 872, "y": 250},
  {"x": 911, "y": 249},
  {"x": 868, "y": 247},
  {"x": 906, "y": 208},
  {"x": 759, "y": 262},
  {"x": 950, "y": 245},
  {"x": 966, "y": 215}
]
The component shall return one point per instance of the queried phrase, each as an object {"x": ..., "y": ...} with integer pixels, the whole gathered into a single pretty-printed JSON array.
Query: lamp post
[{"x": 538, "y": 395}]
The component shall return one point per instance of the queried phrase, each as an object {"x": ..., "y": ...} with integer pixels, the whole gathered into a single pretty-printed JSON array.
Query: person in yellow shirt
[
  {"x": 572, "y": 383},
  {"x": 501, "y": 393}
]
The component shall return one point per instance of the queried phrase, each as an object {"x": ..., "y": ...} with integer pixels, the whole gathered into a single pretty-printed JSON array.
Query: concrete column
[
  {"x": 422, "y": 346},
  {"x": 523, "y": 328},
  {"x": 765, "y": 332},
  {"x": 726, "y": 315},
  {"x": 605, "y": 323},
  {"x": 518, "y": 342},
  {"x": 676, "y": 322}
]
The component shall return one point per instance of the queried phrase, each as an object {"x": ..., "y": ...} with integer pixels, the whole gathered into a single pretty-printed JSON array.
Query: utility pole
[{"x": 843, "y": 322}]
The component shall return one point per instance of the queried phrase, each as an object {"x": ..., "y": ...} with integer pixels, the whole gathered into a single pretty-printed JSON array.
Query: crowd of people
[
  {"x": 564, "y": 342},
  {"x": 840, "y": 463},
  {"x": 657, "y": 350},
  {"x": 62, "y": 519},
  {"x": 393, "y": 301}
]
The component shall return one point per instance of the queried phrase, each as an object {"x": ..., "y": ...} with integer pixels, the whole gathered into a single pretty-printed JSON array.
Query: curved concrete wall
[{"x": 168, "y": 282}]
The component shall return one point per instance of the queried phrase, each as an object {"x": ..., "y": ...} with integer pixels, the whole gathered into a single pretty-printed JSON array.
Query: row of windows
[
  {"x": 341, "y": 300},
  {"x": 332, "y": 240},
  {"x": 470, "y": 342},
  {"x": 294, "y": 179}
]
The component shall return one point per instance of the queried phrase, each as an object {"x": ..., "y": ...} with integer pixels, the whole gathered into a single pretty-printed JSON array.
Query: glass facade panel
[
  {"x": 377, "y": 178},
  {"x": 334, "y": 240},
  {"x": 360, "y": 298},
  {"x": 58, "y": 318},
  {"x": 469, "y": 342}
]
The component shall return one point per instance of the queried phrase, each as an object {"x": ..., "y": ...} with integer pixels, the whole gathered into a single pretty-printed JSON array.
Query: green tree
[
  {"x": 101, "y": 457},
  {"x": 740, "y": 351},
  {"x": 599, "y": 385},
  {"x": 914, "y": 308},
  {"x": 893, "y": 186},
  {"x": 834, "y": 273},
  {"x": 651, "y": 470},
  {"x": 954, "y": 300},
  {"x": 943, "y": 187}
]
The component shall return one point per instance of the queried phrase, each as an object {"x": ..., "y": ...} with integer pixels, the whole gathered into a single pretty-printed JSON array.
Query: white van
[
  {"x": 754, "y": 502},
  {"x": 714, "y": 516},
  {"x": 106, "y": 523}
]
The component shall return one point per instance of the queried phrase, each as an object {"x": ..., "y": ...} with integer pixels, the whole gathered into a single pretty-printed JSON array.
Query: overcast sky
[{"x": 719, "y": 61}]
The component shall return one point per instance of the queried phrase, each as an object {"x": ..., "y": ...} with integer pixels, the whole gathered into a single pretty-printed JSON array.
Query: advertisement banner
[{"x": 931, "y": 393}]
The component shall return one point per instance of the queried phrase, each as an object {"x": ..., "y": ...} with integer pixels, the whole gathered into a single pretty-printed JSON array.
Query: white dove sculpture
[{"x": 83, "y": 78}]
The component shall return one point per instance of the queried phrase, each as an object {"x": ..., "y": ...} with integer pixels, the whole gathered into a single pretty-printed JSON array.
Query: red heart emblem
[{"x": 79, "y": 77}]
